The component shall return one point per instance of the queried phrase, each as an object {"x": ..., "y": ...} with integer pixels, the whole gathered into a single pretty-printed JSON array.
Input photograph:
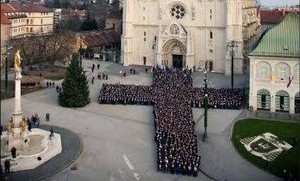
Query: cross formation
[{"x": 172, "y": 96}]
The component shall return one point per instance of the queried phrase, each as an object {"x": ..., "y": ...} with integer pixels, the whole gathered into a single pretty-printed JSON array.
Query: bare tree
[{"x": 59, "y": 47}]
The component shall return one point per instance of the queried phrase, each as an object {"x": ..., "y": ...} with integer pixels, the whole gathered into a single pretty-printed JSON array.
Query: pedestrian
[
  {"x": 53, "y": 84},
  {"x": 47, "y": 116},
  {"x": 29, "y": 124},
  {"x": 13, "y": 152},
  {"x": 47, "y": 84},
  {"x": 106, "y": 77},
  {"x": 98, "y": 65},
  {"x": 51, "y": 132},
  {"x": 7, "y": 166},
  {"x": 57, "y": 88},
  {"x": 93, "y": 67},
  {"x": 93, "y": 80}
]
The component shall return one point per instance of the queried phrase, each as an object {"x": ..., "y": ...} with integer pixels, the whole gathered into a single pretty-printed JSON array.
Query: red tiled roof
[
  {"x": 270, "y": 16},
  {"x": 4, "y": 19},
  {"x": 100, "y": 38},
  {"x": 23, "y": 7}
]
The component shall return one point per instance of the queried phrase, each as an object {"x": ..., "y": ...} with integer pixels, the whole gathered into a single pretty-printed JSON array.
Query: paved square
[{"x": 110, "y": 131}]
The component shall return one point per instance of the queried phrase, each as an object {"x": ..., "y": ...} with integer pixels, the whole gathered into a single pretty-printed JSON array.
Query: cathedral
[{"x": 189, "y": 34}]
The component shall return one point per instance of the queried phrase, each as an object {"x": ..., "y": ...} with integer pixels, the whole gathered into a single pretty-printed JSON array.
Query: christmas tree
[{"x": 75, "y": 90}]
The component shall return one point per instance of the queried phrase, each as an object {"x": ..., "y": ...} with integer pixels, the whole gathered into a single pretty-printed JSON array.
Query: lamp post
[
  {"x": 205, "y": 106},
  {"x": 232, "y": 45},
  {"x": 80, "y": 58},
  {"x": 6, "y": 69}
]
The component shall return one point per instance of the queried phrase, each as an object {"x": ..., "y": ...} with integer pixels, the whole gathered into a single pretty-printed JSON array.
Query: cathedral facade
[{"x": 184, "y": 34}]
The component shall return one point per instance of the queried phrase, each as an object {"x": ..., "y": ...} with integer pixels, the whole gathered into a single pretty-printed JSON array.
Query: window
[
  {"x": 31, "y": 29},
  {"x": 145, "y": 39},
  {"x": 211, "y": 35},
  {"x": 177, "y": 11},
  {"x": 144, "y": 60},
  {"x": 154, "y": 38},
  {"x": 282, "y": 73},
  {"x": 27, "y": 29},
  {"x": 210, "y": 11},
  {"x": 263, "y": 72},
  {"x": 144, "y": 33},
  {"x": 41, "y": 21},
  {"x": 31, "y": 21},
  {"x": 27, "y": 21}
]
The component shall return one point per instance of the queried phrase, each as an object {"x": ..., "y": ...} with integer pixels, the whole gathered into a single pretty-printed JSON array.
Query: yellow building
[{"x": 28, "y": 19}]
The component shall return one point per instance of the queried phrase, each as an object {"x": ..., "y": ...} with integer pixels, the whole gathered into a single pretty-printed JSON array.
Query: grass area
[
  {"x": 288, "y": 160},
  {"x": 56, "y": 73}
]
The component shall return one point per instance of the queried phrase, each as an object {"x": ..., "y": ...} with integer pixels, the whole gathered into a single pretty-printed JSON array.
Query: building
[
  {"x": 184, "y": 33},
  {"x": 5, "y": 36},
  {"x": 104, "y": 45},
  {"x": 274, "y": 68},
  {"x": 28, "y": 19},
  {"x": 271, "y": 17}
]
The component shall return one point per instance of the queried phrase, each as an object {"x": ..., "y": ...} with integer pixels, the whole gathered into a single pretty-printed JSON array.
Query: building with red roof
[{"x": 28, "y": 18}]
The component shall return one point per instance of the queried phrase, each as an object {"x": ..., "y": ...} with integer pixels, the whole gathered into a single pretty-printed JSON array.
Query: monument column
[{"x": 17, "y": 114}]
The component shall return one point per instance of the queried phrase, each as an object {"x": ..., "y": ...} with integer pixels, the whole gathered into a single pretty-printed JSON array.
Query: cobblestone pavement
[{"x": 118, "y": 140}]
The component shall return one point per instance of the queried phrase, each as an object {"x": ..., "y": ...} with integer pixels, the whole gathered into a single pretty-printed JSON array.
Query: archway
[
  {"x": 297, "y": 103},
  {"x": 209, "y": 65},
  {"x": 282, "y": 101},
  {"x": 263, "y": 99},
  {"x": 174, "y": 54}
]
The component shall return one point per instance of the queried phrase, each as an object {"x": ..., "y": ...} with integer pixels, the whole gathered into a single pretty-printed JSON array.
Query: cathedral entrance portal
[
  {"x": 174, "y": 54},
  {"x": 177, "y": 61}
]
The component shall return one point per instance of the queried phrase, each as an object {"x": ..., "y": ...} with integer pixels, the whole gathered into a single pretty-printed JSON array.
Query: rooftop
[{"x": 283, "y": 40}]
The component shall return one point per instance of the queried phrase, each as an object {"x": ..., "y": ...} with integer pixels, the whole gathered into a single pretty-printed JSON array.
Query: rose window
[{"x": 177, "y": 11}]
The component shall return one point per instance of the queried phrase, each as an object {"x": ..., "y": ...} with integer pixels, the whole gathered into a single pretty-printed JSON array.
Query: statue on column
[{"x": 17, "y": 66}]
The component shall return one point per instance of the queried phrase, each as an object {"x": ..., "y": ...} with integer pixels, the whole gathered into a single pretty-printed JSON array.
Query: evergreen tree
[{"x": 75, "y": 90}]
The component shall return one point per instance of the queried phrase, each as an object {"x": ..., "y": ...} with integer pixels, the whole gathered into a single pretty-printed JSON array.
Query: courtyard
[{"x": 118, "y": 141}]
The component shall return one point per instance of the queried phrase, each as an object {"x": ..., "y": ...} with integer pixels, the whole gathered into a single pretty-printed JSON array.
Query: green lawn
[{"x": 288, "y": 160}]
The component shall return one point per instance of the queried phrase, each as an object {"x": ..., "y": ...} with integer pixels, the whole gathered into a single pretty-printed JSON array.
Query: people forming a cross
[{"x": 172, "y": 96}]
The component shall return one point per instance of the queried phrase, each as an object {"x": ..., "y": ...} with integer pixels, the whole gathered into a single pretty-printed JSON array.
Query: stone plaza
[{"x": 118, "y": 140}]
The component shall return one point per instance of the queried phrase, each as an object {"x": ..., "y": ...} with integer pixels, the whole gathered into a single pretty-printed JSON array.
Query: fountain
[{"x": 33, "y": 147}]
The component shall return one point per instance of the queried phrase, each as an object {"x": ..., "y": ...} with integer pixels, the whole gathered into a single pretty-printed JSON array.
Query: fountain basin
[{"x": 38, "y": 145}]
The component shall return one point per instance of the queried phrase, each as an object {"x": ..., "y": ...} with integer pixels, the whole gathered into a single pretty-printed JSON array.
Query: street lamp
[
  {"x": 6, "y": 69},
  {"x": 205, "y": 106},
  {"x": 232, "y": 45},
  {"x": 80, "y": 50}
]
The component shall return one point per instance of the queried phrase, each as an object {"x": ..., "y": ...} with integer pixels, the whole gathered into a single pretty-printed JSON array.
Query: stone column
[
  {"x": 17, "y": 114},
  {"x": 292, "y": 105}
]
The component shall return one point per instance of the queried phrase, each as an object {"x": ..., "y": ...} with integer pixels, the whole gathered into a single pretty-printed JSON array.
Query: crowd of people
[{"x": 172, "y": 96}]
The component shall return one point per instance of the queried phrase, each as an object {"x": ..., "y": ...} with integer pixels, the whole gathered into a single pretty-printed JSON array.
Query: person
[
  {"x": 47, "y": 116},
  {"x": 93, "y": 67},
  {"x": 57, "y": 88},
  {"x": 7, "y": 166},
  {"x": 13, "y": 152},
  {"x": 93, "y": 80},
  {"x": 98, "y": 65},
  {"x": 51, "y": 132},
  {"x": 47, "y": 83}
]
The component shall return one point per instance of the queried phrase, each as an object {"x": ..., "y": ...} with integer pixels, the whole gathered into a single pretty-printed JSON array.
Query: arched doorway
[
  {"x": 174, "y": 54},
  {"x": 297, "y": 103},
  {"x": 209, "y": 65},
  {"x": 263, "y": 100},
  {"x": 282, "y": 101}
]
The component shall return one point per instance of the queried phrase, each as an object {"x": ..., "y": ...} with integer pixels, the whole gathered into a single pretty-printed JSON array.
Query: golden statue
[
  {"x": 18, "y": 61},
  {"x": 23, "y": 125},
  {"x": 10, "y": 126}
]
